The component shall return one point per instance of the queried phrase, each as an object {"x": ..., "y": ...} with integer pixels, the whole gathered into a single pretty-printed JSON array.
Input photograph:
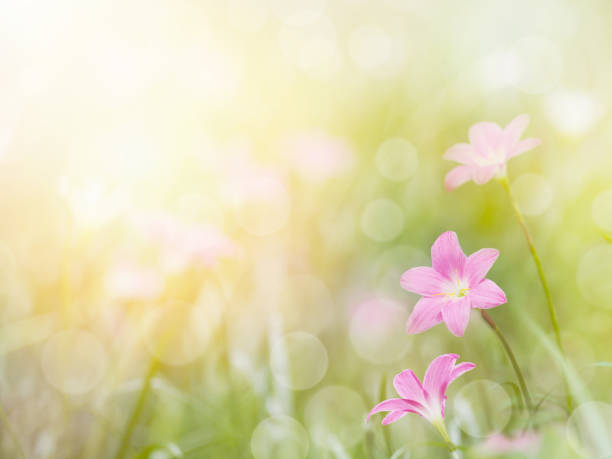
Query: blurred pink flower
[
  {"x": 428, "y": 399},
  {"x": 317, "y": 156},
  {"x": 524, "y": 442},
  {"x": 452, "y": 287},
  {"x": 183, "y": 244},
  {"x": 489, "y": 149}
]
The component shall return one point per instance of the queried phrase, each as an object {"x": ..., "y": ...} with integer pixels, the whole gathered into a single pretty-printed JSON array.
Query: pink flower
[
  {"x": 184, "y": 243},
  {"x": 427, "y": 399},
  {"x": 525, "y": 442},
  {"x": 489, "y": 149},
  {"x": 452, "y": 287}
]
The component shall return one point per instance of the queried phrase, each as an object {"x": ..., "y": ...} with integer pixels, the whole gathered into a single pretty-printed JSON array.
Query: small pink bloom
[
  {"x": 489, "y": 149},
  {"x": 428, "y": 399},
  {"x": 452, "y": 287},
  {"x": 525, "y": 442},
  {"x": 185, "y": 243}
]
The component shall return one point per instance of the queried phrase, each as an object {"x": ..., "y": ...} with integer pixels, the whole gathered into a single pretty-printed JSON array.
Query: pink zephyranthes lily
[
  {"x": 428, "y": 399},
  {"x": 451, "y": 287},
  {"x": 489, "y": 149}
]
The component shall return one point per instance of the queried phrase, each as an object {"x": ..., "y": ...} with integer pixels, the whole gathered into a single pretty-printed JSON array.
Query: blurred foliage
[{"x": 190, "y": 184}]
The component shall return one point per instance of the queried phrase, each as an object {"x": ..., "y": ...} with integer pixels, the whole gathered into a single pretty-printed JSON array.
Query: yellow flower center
[
  {"x": 497, "y": 156},
  {"x": 455, "y": 290}
]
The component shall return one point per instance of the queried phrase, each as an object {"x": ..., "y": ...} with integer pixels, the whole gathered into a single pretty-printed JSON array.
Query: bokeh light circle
[
  {"x": 377, "y": 330},
  {"x": 594, "y": 274},
  {"x": 74, "y": 361},
  {"x": 492, "y": 70},
  {"x": 279, "y": 437},
  {"x": 536, "y": 65},
  {"x": 533, "y": 193},
  {"x": 589, "y": 430},
  {"x": 602, "y": 210},
  {"x": 397, "y": 159},
  {"x": 335, "y": 414},
  {"x": 573, "y": 112},
  {"x": 301, "y": 361},
  {"x": 482, "y": 408},
  {"x": 382, "y": 220}
]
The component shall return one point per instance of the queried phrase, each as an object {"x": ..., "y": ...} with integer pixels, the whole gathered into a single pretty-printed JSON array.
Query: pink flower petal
[
  {"x": 427, "y": 313},
  {"x": 523, "y": 146},
  {"x": 489, "y": 149},
  {"x": 463, "y": 367},
  {"x": 456, "y": 315},
  {"x": 485, "y": 136},
  {"x": 483, "y": 174},
  {"x": 393, "y": 416},
  {"x": 514, "y": 130},
  {"x": 461, "y": 153},
  {"x": 446, "y": 255},
  {"x": 408, "y": 386},
  {"x": 437, "y": 376},
  {"x": 457, "y": 371},
  {"x": 478, "y": 265},
  {"x": 395, "y": 404},
  {"x": 422, "y": 280},
  {"x": 487, "y": 295},
  {"x": 441, "y": 372},
  {"x": 457, "y": 177}
]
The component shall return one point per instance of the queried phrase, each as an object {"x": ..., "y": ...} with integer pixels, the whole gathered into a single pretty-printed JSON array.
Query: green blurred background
[{"x": 207, "y": 208}]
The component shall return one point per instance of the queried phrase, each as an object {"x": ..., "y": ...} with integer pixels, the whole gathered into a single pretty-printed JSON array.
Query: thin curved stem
[
  {"x": 519, "y": 374},
  {"x": 137, "y": 410},
  {"x": 441, "y": 428},
  {"x": 536, "y": 258},
  {"x": 9, "y": 429}
]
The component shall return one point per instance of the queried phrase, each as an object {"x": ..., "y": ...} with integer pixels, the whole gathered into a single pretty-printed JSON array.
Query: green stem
[
  {"x": 536, "y": 258},
  {"x": 9, "y": 429},
  {"x": 138, "y": 407},
  {"x": 382, "y": 395},
  {"x": 441, "y": 428},
  {"x": 519, "y": 374}
]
